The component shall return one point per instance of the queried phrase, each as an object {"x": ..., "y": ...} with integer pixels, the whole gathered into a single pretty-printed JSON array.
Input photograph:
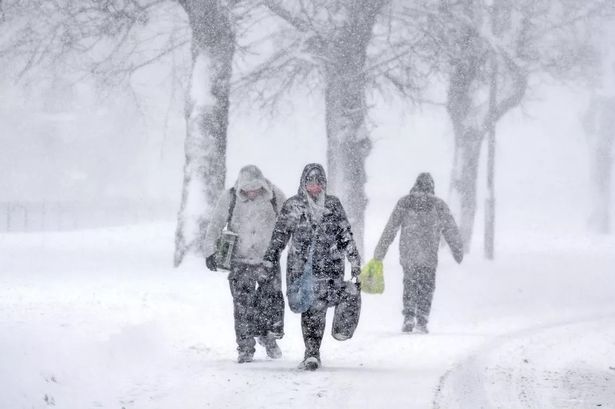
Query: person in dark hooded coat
[
  {"x": 314, "y": 221},
  {"x": 423, "y": 219}
]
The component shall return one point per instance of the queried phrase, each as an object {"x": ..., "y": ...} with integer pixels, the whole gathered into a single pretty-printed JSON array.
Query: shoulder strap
[
  {"x": 231, "y": 207},
  {"x": 274, "y": 202}
]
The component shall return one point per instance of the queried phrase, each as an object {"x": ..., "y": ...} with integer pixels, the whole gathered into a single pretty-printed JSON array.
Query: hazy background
[{"x": 73, "y": 143}]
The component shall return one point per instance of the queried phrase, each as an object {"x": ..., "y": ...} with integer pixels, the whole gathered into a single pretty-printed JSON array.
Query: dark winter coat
[
  {"x": 332, "y": 238},
  {"x": 423, "y": 218}
]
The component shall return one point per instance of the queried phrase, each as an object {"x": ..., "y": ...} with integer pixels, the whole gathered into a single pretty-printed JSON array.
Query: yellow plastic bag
[{"x": 372, "y": 277}]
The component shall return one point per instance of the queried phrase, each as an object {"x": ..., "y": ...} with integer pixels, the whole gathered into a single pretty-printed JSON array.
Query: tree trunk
[
  {"x": 600, "y": 127},
  {"x": 348, "y": 143},
  {"x": 347, "y": 148},
  {"x": 601, "y": 184},
  {"x": 464, "y": 182},
  {"x": 207, "y": 106},
  {"x": 490, "y": 201},
  {"x": 468, "y": 127}
]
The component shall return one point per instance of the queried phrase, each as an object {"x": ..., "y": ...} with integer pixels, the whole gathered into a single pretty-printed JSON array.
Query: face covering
[
  {"x": 252, "y": 194},
  {"x": 313, "y": 189}
]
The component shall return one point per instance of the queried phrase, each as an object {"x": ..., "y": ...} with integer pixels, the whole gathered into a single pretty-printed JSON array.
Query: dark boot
[
  {"x": 245, "y": 356},
  {"x": 421, "y": 326},
  {"x": 408, "y": 325},
  {"x": 311, "y": 363},
  {"x": 271, "y": 347}
]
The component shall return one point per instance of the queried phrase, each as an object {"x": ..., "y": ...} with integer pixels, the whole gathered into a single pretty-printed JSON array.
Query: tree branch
[{"x": 295, "y": 21}]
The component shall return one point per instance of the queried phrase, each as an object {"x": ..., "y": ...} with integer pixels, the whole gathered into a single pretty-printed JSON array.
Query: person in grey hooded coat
[
  {"x": 423, "y": 219},
  {"x": 251, "y": 209},
  {"x": 314, "y": 221}
]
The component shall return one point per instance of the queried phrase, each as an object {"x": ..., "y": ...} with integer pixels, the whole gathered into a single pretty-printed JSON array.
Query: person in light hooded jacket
[
  {"x": 313, "y": 219},
  {"x": 251, "y": 209},
  {"x": 423, "y": 219}
]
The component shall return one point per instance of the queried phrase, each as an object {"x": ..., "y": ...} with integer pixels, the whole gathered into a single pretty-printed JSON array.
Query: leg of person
[
  {"x": 410, "y": 298},
  {"x": 243, "y": 289},
  {"x": 276, "y": 329},
  {"x": 269, "y": 316},
  {"x": 313, "y": 328},
  {"x": 271, "y": 308},
  {"x": 426, "y": 287},
  {"x": 269, "y": 312},
  {"x": 272, "y": 349}
]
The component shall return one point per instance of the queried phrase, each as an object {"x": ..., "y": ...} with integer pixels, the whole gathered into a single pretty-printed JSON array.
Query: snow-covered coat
[
  {"x": 423, "y": 218},
  {"x": 253, "y": 220},
  {"x": 332, "y": 237}
]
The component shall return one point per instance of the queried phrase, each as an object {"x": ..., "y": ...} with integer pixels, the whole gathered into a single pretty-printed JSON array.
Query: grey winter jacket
[
  {"x": 253, "y": 220},
  {"x": 423, "y": 218},
  {"x": 332, "y": 237}
]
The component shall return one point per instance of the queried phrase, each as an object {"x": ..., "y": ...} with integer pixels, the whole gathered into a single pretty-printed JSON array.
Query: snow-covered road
[
  {"x": 569, "y": 365},
  {"x": 99, "y": 319}
]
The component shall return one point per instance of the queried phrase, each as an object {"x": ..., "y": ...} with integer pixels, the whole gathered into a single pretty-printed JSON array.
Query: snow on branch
[{"x": 108, "y": 40}]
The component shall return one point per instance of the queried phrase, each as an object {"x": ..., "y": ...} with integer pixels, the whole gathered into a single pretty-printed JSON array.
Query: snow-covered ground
[{"x": 100, "y": 319}]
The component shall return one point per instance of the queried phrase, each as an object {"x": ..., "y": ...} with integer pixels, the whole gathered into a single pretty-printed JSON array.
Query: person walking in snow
[
  {"x": 423, "y": 218},
  {"x": 250, "y": 209},
  {"x": 318, "y": 230}
]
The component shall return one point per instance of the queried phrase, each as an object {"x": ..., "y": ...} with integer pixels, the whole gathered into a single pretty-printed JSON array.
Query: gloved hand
[
  {"x": 264, "y": 273},
  {"x": 211, "y": 263},
  {"x": 355, "y": 271},
  {"x": 458, "y": 256}
]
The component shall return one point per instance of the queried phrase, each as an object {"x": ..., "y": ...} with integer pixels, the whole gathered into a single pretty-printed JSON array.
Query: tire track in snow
[{"x": 566, "y": 365}]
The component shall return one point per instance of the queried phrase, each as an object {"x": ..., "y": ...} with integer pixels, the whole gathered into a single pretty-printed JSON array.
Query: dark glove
[
  {"x": 264, "y": 273},
  {"x": 355, "y": 271},
  {"x": 210, "y": 262},
  {"x": 458, "y": 256}
]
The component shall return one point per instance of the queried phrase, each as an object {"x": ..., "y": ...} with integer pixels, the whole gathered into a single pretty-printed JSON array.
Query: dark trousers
[
  {"x": 257, "y": 311},
  {"x": 313, "y": 320},
  {"x": 419, "y": 286},
  {"x": 242, "y": 281},
  {"x": 313, "y": 328}
]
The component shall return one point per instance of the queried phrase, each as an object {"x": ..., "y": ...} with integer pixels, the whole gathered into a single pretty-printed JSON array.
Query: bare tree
[
  {"x": 600, "y": 129},
  {"x": 111, "y": 41},
  {"x": 504, "y": 43},
  {"x": 207, "y": 108},
  {"x": 324, "y": 46},
  {"x": 599, "y": 124},
  {"x": 107, "y": 41}
]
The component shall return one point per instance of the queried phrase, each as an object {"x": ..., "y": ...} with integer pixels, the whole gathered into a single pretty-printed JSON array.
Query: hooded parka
[
  {"x": 252, "y": 220},
  {"x": 423, "y": 219},
  {"x": 317, "y": 226},
  {"x": 321, "y": 223}
]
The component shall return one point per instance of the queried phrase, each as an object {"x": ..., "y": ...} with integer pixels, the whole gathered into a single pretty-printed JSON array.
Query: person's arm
[
  {"x": 284, "y": 226},
  {"x": 346, "y": 240},
  {"x": 280, "y": 198},
  {"x": 449, "y": 230},
  {"x": 217, "y": 223},
  {"x": 390, "y": 231}
]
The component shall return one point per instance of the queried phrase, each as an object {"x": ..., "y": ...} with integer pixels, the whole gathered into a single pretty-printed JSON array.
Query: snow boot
[
  {"x": 310, "y": 364},
  {"x": 273, "y": 350},
  {"x": 408, "y": 325},
  {"x": 421, "y": 329},
  {"x": 271, "y": 347},
  {"x": 245, "y": 356}
]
